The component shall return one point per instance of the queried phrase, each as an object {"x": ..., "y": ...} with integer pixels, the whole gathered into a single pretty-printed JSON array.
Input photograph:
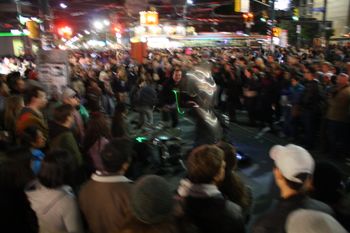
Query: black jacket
[
  {"x": 274, "y": 221},
  {"x": 214, "y": 214}
]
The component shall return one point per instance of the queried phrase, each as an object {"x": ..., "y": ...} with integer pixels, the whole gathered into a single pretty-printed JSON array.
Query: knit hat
[
  {"x": 311, "y": 221},
  {"x": 152, "y": 199},
  {"x": 292, "y": 160}
]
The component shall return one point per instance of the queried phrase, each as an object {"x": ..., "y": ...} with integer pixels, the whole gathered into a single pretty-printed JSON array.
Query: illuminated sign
[{"x": 149, "y": 18}]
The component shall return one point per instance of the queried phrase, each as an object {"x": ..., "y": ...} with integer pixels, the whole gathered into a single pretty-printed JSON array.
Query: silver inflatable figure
[{"x": 200, "y": 86}]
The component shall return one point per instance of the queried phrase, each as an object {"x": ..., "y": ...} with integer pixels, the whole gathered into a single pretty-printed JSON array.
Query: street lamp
[
  {"x": 63, "y": 5},
  {"x": 98, "y": 25},
  {"x": 102, "y": 25}
]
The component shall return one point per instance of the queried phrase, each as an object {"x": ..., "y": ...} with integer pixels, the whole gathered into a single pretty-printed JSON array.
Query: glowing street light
[
  {"x": 87, "y": 32},
  {"x": 106, "y": 22},
  {"x": 63, "y": 5},
  {"x": 98, "y": 25}
]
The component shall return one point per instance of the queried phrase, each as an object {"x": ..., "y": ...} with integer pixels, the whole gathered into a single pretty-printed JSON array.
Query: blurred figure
[
  {"x": 328, "y": 187},
  {"x": 310, "y": 221},
  {"x": 152, "y": 206},
  {"x": 61, "y": 135},
  {"x": 13, "y": 107},
  {"x": 338, "y": 125},
  {"x": 52, "y": 198},
  {"x": 232, "y": 187},
  {"x": 70, "y": 96},
  {"x": 34, "y": 139},
  {"x": 31, "y": 115},
  {"x": 204, "y": 205},
  {"x": 98, "y": 134},
  {"x": 120, "y": 127},
  {"x": 16, "y": 214},
  {"x": 4, "y": 93},
  {"x": 293, "y": 169},
  {"x": 167, "y": 98},
  {"x": 105, "y": 198}
]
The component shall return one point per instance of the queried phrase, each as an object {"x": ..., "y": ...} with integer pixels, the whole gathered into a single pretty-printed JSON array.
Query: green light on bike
[
  {"x": 176, "y": 93},
  {"x": 141, "y": 139}
]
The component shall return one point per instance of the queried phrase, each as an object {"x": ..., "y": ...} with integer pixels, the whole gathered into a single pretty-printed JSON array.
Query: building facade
[{"x": 338, "y": 11}]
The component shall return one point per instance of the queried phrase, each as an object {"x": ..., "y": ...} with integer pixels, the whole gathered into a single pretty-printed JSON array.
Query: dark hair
[
  {"x": 298, "y": 186},
  {"x": 327, "y": 182},
  {"x": 97, "y": 127},
  {"x": 311, "y": 69},
  {"x": 62, "y": 112},
  {"x": 29, "y": 136},
  {"x": 232, "y": 186},
  {"x": 117, "y": 152},
  {"x": 204, "y": 163},
  {"x": 15, "y": 170},
  {"x": 57, "y": 169},
  {"x": 31, "y": 93}
]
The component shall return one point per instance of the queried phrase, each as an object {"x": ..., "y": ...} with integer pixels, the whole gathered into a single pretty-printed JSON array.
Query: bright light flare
[{"x": 63, "y": 5}]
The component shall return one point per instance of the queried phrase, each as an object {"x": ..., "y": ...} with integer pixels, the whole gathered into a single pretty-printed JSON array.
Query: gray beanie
[
  {"x": 311, "y": 221},
  {"x": 152, "y": 200}
]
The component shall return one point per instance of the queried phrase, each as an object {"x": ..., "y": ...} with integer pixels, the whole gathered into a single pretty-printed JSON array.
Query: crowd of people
[{"x": 67, "y": 161}]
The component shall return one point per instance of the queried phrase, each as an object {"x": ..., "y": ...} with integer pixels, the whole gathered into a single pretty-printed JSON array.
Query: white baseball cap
[{"x": 292, "y": 160}]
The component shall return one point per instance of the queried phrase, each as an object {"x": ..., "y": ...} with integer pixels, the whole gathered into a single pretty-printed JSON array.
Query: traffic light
[
  {"x": 276, "y": 32},
  {"x": 248, "y": 17},
  {"x": 65, "y": 32},
  {"x": 295, "y": 16}
]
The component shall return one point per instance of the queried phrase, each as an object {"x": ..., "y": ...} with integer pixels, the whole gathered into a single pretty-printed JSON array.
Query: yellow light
[{"x": 149, "y": 18}]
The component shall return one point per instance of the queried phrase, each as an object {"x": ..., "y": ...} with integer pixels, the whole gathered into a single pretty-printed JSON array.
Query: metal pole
[
  {"x": 298, "y": 29},
  {"x": 272, "y": 14},
  {"x": 325, "y": 2}
]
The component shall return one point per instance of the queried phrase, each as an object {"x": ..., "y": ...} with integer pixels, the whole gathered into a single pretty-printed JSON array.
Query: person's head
[
  {"x": 20, "y": 85},
  {"x": 312, "y": 221},
  {"x": 294, "y": 80},
  {"x": 69, "y": 96},
  {"x": 97, "y": 127},
  {"x": 13, "y": 107},
  {"x": 309, "y": 73},
  {"x": 15, "y": 170},
  {"x": 36, "y": 97},
  {"x": 342, "y": 79},
  {"x": 57, "y": 169},
  {"x": 63, "y": 115},
  {"x": 326, "y": 67},
  {"x": 206, "y": 165},
  {"x": 230, "y": 155},
  {"x": 327, "y": 183},
  {"x": 116, "y": 155},
  {"x": 293, "y": 169},
  {"x": 177, "y": 75},
  {"x": 33, "y": 137},
  {"x": 152, "y": 200},
  {"x": 4, "y": 89}
]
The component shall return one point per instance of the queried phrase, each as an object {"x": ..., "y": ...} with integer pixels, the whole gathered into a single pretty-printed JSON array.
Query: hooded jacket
[{"x": 56, "y": 209}]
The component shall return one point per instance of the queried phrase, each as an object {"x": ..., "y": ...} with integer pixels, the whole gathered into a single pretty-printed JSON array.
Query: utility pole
[{"x": 272, "y": 25}]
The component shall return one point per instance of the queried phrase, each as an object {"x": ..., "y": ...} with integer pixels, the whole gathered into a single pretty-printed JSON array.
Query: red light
[
  {"x": 250, "y": 15},
  {"x": 245, "y": 16}
]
